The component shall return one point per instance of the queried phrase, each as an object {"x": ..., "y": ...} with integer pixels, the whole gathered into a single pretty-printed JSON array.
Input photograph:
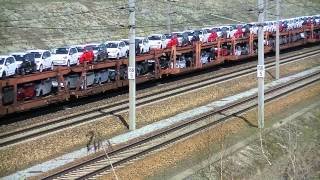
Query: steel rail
[
  {"x": 101, "y": 112},
  {"x": 98, "y": 165}
]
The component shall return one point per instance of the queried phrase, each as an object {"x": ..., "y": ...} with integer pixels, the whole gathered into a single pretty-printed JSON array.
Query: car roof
[
  {"x": 80, "y": 45},
  {"x": 114, "y": 41},
  {"x": 5, "y": 56},
  {"x": 155, "y": 35},
  {"x": 19, "y": 53},
  {"x": 37, "y": 50},
  {"x": 140, "y": 37},
  {"x": 93, "y": 44}
]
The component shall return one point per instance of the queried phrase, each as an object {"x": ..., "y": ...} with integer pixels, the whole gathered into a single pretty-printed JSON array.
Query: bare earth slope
[{"x": 47, "y": 24}]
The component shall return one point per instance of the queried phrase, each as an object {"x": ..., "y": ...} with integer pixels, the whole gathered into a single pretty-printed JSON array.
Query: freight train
[{"x": 182, "y": 53}]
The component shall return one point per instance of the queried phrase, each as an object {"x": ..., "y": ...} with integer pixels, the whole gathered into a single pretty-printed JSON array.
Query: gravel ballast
[
  {"x": 185, "y": 154},
  {"x": 33, "y": 152}
]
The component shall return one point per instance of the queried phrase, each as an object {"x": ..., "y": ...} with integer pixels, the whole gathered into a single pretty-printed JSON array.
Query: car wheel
[
  {"x": 22, "y": 72},
  {"x": 161, "y": 46},
  {"x": 52, "y": 67},
  {"x": 41, "y": 68},
  {"x": 4, "y": 75}
]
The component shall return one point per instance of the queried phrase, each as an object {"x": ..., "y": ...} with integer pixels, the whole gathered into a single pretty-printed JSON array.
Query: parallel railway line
[
  {"x": 100, "y": 165},
  {"x": 13, "y": 137}
]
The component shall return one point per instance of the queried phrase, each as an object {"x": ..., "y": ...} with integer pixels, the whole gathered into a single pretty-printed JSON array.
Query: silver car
[{"x": 44, "y": 87}]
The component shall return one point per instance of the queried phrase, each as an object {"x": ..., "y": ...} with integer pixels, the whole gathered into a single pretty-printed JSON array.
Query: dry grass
[
  {"x": 59, "y": 23},
  {"x": 26, "y": 154},
  {"x": 184, "y": 151}
]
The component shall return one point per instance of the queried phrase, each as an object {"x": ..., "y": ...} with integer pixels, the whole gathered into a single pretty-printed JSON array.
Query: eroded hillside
[{"x": 46, "y": 24}]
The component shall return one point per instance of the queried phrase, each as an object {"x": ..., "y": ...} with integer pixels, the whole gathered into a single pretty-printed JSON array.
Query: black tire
[
  {"x": 41, "y": 68},
  {"x": 22, "y": 72},
  {"x": 34, "y": 69},
  {"x": 4, "y": 75}
]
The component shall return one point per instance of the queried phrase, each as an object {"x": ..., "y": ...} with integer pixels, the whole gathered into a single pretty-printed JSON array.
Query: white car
[
  {"x": 229, "y": 30},
  {"x": 43, "y": 59},
  {"x": 180, "y": 63},
  {"x": 203, "y": 35},
  {"x": 18, "y": 57},
  {"x": 44, "y": 87},
  {"x": 157, "y": 41},
  {"x": 116, "y": 49},
  {"x": 190, "y": 34},
  {"x": 80, "y": 49},
  {"x": 126, "y": 41},
  {"x": 143, "y": 44},
  {"x": 65, "y": 56},
  {"x": 8, "y": 66}
]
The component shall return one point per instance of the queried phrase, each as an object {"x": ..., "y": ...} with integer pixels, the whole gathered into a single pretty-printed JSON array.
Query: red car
[
  {"x": 238, "y": 33},
  {"x": 26, "y": 91},
  {"x": 87, "y": 55},
  {"x": 173, "y": 41},
  {"x": 213, "y": 36}
]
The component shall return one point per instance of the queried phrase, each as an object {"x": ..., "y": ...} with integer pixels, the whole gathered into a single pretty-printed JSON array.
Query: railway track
[
  {"x": 59, "y": 124},
  {"x": 101, "y": 112},
  {"x": 101, "y": 165}
]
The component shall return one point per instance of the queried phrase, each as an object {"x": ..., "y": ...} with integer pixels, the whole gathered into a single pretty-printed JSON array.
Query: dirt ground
[{"x": 189, "y": 153}]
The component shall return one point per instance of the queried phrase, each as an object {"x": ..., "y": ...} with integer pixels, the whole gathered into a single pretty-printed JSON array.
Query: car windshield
[
  {"x": 88, "y": 48},
  {"x": 112, "y": 45},
  {"x": 96, "y": 48},
  {"x": 190, "y": 33},
  {"x": 36, "y": 54},
  {"x": 1, "y": 60},
  {"x": 154, "y": 38},
  {"x": 62, "y": 51},
  {"x": 178, "y": 34},
  {"x": 139, "y": 41},
  {"x": 224, "y": 29},
  {"x": 101, "y": 47},
  {"x": 80, "y": 49},
  {"x": 168, "y": 36},
  {"x": 19, "y": 57},
  {"x": 215, "y": 29}
]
